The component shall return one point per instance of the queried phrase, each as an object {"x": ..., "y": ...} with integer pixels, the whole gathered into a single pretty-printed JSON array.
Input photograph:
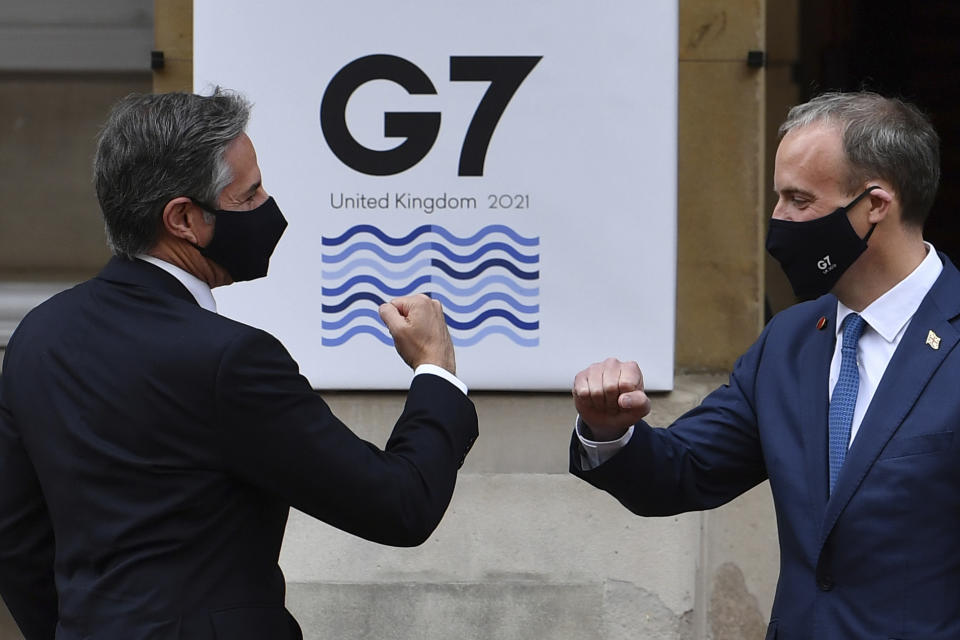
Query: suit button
[{"x": 825, "y": 583}]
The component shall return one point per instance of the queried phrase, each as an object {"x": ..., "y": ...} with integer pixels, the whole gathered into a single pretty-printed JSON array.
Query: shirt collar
[
  {"x": 199, "y": 289},
  {"x": 889, "y": 314}
]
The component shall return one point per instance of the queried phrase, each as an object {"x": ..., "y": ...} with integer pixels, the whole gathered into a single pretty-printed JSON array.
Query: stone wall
[{"x": 527, "y": 551}]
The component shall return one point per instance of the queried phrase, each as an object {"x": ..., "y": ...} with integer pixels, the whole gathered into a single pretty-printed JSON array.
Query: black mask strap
[
  {"x": 858, "y": 199},
  {"x": 852, "y": 202},
  {"x": 208, "y": 209}
]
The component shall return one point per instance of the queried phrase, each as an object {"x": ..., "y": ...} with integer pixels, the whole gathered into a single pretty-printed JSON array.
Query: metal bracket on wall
[{"x": 156, "y": 60}]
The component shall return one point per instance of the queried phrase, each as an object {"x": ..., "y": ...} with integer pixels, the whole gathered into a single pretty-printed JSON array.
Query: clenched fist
[
  {"x": 609, "y": 397},
  {"x": 419, "y": 331}
]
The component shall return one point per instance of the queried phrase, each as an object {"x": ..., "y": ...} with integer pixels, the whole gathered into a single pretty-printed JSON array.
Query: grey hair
[
  {"x": 883, "y": 138},
  {"x": 157, "y": 147}
]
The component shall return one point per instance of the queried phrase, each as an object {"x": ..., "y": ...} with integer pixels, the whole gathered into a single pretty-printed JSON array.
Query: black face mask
[
  {"x": 243, "y": 241},
  {"x": 814, "y": 254}
]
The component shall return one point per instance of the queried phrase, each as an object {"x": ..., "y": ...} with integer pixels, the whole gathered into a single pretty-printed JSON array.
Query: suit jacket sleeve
[
  {"x": 709, "y": 456},
  {"x": 26, "y": 538},
  {"x": 279, "y": 434}
]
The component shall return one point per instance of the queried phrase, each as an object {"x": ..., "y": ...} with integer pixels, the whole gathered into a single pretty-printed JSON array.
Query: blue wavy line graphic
[
  {"x": 415, "y": 284},
  {"x": 369, "y": 263},
  {"x": 492, "y": 313},
  {"x": 469, "y": 341},
  {"x": 362, "y": 295},
  {"x": 363, "y": 272},
  {"x": 354, "y": 331},
  {"x": 483, "y": 284},
  {"x": 411, "y": 287},
  {"x": 427, "y": 228},
  {"x": 483, "y": 266},
  {"x": 451, "y": 322},
  {"x": 487, "y": 331},
  {"x": 484, "y": 299},
  {"x": 333, "y": 258},
  {"x": 350, "y": 317},
  {"x": 485, "y": 249}
]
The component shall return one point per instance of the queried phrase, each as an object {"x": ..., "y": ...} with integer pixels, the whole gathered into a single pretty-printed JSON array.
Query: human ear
[
  {"x": 881, "y": 200},
  {"x": 182, "y": 219}
]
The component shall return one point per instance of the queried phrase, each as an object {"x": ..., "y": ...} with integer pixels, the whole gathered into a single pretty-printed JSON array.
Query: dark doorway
[{"x": 905, "y": 49}]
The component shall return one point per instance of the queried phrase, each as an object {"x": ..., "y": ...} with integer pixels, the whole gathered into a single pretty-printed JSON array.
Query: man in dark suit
[
  {"x": 150, "y": 448},
  {"x": 847, "y": 403}
]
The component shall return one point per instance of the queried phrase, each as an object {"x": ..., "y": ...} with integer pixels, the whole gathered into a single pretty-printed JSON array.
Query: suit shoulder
[
  {"x": 234, "y": 341},
  {"x": 804, "y": 313},
  {"x": 788, "y": 330},
  {"x": 55, "y": 308}
]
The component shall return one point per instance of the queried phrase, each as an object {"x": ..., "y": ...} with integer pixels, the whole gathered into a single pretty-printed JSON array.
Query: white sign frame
[{"x": 576, "y": 201}]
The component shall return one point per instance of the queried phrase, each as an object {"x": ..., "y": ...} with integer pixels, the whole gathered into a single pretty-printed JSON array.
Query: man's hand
[
  {"x": 609, "y": 397},
  {"x": 419, "y": 331}
]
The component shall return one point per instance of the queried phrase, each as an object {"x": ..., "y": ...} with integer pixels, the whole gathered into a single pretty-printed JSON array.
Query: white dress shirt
[
  {"x": 887, "y": 319},
  {"x": 200, "y": 290}
]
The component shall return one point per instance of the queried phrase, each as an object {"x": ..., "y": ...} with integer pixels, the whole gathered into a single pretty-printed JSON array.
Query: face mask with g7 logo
[{"x": 814, "y": 254}]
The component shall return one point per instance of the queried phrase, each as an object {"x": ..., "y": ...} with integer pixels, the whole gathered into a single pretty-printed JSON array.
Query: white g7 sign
[{"x": 510, "y": 159}]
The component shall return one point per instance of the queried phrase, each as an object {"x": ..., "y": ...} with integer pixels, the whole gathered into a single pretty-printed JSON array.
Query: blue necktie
[{"x": 844, "y": 398}]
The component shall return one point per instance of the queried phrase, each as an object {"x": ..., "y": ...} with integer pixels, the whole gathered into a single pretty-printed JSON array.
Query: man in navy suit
[
  {"x": 847, "y": 403},
  {"x": 150, "y": 448}
]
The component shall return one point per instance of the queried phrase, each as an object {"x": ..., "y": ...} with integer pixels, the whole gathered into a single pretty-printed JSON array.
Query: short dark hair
[
  {"x": 882, "y": 138},
  {"x": 156, "y": 147}
]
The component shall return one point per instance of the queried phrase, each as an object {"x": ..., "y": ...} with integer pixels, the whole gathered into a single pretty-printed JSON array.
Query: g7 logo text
[{"x": 505, "y": 74}]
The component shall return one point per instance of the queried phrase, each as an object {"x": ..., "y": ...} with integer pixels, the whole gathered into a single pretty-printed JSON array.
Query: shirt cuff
[
  {"x": 434, "y": 370},
  {"x": 594, "y": 453}
]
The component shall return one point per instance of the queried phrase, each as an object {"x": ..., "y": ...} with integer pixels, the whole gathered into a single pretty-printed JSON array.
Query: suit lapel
[
  {"x": 814, "y": 365},
  {"x": 910, "y": 369}
]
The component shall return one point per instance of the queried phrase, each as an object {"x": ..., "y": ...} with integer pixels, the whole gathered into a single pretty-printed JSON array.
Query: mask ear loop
[
  {"x": 203, "y": 205},
  {"x": 858, "y": 199},
  {"x": 208, "y": 209}
]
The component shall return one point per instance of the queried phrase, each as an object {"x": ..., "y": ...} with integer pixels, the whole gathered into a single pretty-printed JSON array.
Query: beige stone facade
[{"x": 526, "y": 551}]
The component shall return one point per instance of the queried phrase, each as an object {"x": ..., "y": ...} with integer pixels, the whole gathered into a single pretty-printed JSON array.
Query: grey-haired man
[{"x": 150, "y": 448}]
